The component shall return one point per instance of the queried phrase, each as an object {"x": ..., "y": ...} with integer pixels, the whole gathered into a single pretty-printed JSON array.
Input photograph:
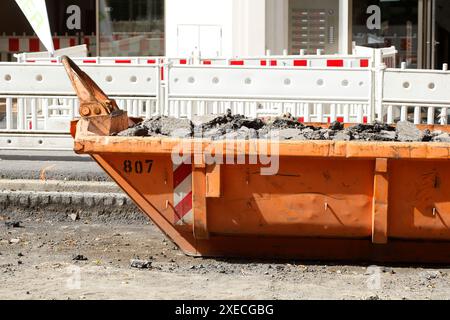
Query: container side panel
[
  {"x": 419, "y": 200},
  {"x": 306, "y": 198}
]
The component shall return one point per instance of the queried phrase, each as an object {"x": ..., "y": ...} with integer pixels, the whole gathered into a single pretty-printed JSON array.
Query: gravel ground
[{"x": 37, "y": 262}]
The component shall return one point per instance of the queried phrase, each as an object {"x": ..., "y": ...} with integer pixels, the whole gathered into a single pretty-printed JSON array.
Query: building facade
[{"x": 417, "y": 28}]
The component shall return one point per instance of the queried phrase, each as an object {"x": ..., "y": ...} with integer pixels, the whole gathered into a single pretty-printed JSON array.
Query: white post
[
  {"x": 166, "y": 89},
  {"x": 333, "y": 113},
  {"x": 306, "y": 113},
  {"x": 20, "y": 113},
  {"x": 404, "y": 113},
  {"x": 377, "y": 87},
  {"x": 135, "y": 108},
  {"x": 45, "y": 112},
  {"x": 417, "y": 115},
  {"x": 148, "y": 108},
  {"x": 159, "y": 101},
  {"x": 443, "y": 116},
  {"x": 345, "y": 26},
  {"x": 33, "y": 114},
  {"x": 319, "y": 109},
  {"x": 430, "y": 116},
  {"x": 346, "y": 113},
  {"x": 9, "y": 113},
  {"x": 390, "y": 114}
]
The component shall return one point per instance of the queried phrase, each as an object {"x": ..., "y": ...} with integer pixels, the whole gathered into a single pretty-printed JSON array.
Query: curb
[
  {"x": 59, "y": 186},
  {"x": 93, "y": 201}
]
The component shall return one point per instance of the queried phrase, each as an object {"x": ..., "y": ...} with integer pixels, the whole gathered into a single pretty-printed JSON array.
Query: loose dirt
[{"x": 46, "y": 259}]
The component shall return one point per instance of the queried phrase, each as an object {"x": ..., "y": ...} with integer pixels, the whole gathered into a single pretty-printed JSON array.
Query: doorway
[
  {"x": 382, "y": 23},
  {"x": 437, "y": 44},
  {"x": 205, "y": 39}
]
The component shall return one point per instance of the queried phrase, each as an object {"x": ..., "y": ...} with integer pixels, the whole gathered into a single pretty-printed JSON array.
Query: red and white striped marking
[
  {"x": 182, "y": 194},
  {"x": 15, "y": 44}
]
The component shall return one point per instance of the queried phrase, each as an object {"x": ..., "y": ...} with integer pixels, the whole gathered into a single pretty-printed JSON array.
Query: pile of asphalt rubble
[{"x": 229, "y": 126}]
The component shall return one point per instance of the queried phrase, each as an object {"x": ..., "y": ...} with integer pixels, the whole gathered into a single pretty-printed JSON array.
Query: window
[
  {"x": 131, "y": 28},
  {"x": 388, "y": 23}
]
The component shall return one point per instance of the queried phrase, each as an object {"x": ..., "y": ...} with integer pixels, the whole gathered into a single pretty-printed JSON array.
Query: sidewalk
[{"x": 59, "y": 184}]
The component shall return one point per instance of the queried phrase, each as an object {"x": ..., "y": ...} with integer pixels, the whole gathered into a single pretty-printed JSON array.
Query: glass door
[
  {"x": 439, "y": 35},
  {"x": 384, "y": 23}
]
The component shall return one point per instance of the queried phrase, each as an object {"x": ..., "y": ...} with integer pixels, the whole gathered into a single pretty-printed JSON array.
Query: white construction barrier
[
  {"x": 47, "y": 79},
  {"x": 312, "y": 94},
  {"x": 38, "y": 98},
  {"x": 421, "y": 96}
]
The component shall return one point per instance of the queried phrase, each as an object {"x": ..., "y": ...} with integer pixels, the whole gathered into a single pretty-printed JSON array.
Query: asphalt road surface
[{"x": 36, "y": 262}]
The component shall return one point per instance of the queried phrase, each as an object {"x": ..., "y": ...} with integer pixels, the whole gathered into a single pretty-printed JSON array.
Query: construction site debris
[
  {"x": 161, "y": 125},
  {"x": 140, "y": 264},
  {"x": 73, "y": 216},
  {"x": 238, "y": 127},
  {"x": 408, "y": 132},
  {"x": 79, "y": 257},
  {"x": 13, "y": 224}
]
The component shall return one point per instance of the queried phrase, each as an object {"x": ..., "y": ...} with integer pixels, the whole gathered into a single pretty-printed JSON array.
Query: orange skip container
[{"x": 327, "y": 200}]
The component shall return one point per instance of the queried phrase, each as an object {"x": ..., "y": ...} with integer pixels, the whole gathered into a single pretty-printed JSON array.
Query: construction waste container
[{"x": 314, "y": 200}]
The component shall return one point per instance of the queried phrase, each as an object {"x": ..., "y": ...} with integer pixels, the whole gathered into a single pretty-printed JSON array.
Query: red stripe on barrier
[
  {"x": 33, "y": 44},
  {"x": 338, "y": 119},
  {"x": 53, "y": 61},
  {"x": 181, "y": 173},
  {"x": 207, "y": 62},
  {"x": 87, "y": 41},
  {"x": 301, "y": 119},
  {"x": 263, "y": 63},
  {"x": 183, "y": 207},
  {"x": 13, "y": 44},
  {"x": 273, "y": 63},
  {"x": 162, "y": 73},
  {"x": 300, "y": 63},
  {"x": 365, "y": 120},
  {"x": 31, "y": 61},
  {"x": 122, "y": 61},
  {"x": 183, "y": 61},
  {"x": 151, "y": 61},
  {"x": 364, "y": 63},
  {"x": 335, "y": 63},
  {"x": 89, "y": 61},
  {"x": 237, "y": 63},
  {"x": 72, "y": 42},
  {"x": 56, "y": 43}
]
